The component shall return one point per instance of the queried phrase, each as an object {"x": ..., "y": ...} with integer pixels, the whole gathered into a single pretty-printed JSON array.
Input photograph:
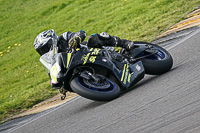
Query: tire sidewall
[
  {"x": 157, "y": 67},
  {"x": 94, "y": 95}
]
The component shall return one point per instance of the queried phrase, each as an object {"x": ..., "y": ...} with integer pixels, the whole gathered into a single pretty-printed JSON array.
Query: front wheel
[
  {"x": 158, "y": 63},
  {"x": 106, "y": 90}
]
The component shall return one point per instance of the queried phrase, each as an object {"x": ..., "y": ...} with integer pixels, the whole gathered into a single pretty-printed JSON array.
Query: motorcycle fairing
[{"x": 129, "y": 75}]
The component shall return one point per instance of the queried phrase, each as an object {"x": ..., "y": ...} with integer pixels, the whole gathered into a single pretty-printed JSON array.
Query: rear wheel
[
  {"x": 157, "y": 63},
  {"x": 104, "y": 90}
]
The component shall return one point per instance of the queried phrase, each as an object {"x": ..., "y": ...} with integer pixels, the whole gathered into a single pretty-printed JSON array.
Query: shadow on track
[
  {"x": 90, "y": 105},
  {"x": 146, "y": 80}
]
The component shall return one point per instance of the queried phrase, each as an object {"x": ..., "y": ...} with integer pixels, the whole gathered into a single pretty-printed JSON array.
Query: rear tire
[
  {"x": 159, "y": 63},
  {"x": 110, "y": 92}
]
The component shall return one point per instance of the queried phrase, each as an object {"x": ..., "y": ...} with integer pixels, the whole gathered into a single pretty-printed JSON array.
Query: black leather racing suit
[{"x": 95, "y": 40}]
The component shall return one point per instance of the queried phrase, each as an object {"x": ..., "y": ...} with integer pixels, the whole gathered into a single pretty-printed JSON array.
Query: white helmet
[{"x": 44, "y": 41}]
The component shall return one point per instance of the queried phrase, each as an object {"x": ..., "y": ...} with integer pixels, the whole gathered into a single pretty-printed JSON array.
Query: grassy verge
[{"x": 23, "y": 79}]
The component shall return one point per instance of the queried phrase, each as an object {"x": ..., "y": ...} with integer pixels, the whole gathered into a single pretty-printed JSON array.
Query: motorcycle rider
[{"x": 69, "y": 40}]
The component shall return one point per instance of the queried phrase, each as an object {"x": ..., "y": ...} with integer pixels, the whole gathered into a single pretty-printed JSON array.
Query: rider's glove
[
  {"x": 74, "y": 42},
  {"x": 76, "y": 39}
]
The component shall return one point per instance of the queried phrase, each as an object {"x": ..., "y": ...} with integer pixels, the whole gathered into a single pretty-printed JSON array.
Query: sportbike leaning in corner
[{"x": 101, "y": 74}]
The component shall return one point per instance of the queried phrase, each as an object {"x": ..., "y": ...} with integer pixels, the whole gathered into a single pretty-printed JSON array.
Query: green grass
[{"x": 23, "y": 81}]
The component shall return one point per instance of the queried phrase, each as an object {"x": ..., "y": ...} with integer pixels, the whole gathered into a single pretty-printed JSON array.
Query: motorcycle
[{"x": 101, "y": 74}]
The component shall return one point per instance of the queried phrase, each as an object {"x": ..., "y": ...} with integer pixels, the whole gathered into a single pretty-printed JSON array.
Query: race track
[{"x": 169, "y": 103}]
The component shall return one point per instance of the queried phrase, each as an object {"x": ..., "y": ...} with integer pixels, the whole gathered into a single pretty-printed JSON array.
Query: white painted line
[
  {"x": 184, "y": 39},
  {"x": 12, "y": 130}
]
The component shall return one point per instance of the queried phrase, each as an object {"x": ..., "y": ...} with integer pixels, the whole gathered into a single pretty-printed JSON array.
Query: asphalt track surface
[{"x": 169, "y": 103}]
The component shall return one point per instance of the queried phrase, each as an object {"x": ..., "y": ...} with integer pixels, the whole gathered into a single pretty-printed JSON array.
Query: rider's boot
[
  {"x": 128, "y": 45},
  {"x": 56, "y": 85}
]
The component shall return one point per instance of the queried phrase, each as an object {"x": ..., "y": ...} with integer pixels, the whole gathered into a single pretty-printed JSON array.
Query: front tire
[{"x": 105, "y": 92}]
